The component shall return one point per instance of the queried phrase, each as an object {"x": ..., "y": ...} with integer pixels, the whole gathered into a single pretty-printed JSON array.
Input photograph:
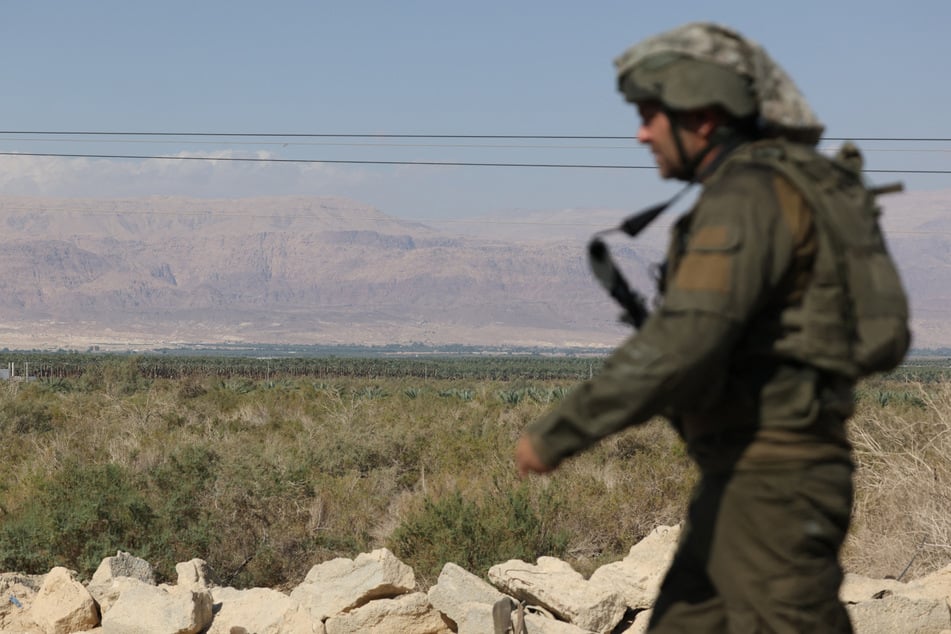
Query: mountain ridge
[{"x": 161, "y": 271}]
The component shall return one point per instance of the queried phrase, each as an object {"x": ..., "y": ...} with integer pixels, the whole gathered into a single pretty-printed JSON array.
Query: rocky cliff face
[
  {"x": 281, "y": 270},
  {"x": 322, "y": 270}
]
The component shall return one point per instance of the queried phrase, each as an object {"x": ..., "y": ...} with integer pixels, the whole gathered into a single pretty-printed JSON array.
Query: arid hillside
[{"x": 166, "y": 271}]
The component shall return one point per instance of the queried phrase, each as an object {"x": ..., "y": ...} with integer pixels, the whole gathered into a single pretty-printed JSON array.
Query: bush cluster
[{"x": 266, "y": 477}]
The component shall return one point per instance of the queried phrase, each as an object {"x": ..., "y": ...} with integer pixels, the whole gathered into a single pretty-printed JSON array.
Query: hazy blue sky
[{"x": 531, "y": 67}]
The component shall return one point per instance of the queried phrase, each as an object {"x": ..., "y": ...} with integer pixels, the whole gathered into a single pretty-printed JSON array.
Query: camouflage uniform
[{"x": 759, "y": 550}]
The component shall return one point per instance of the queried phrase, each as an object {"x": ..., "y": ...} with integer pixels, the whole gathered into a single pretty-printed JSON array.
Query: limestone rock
[
  {"x": 537, "y": 621},
  {"x": 108, "y": 580},
  {"x": 856, "y": 588},
  {"x": 17, "y": 593},
  {"x": 893, "y": 614},
  {"x": 194, "y": 575},
  {"x": 63, "y": 604},
  {"x": 458, "y": 592},
  {"x": 124, "y": 565},
  {"x": 639, "y": 625},
  {"x": 9, "y": 580},
  {"x": 467, "y": 601},
  {"x": 937, "y": 585},
  {"x": 374, "y": 594},
  {"x": 299, "y": 621},
  {"x": 556, "y": 586},
  {"x": 342, "y": 584},
  {"x": 107, "y": 593},
  {"x": 638, "y": 576},
  {"x": 406, "y": 614},
  {"x": 259, "y": 610},
  {"x": 147, "y": 609}
]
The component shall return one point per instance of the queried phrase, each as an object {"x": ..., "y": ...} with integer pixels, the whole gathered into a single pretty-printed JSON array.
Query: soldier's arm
[{"x": 739, "y": 249}]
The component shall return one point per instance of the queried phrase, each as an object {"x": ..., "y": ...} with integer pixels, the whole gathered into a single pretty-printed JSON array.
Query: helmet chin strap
[{"x": 687, "y": 170}]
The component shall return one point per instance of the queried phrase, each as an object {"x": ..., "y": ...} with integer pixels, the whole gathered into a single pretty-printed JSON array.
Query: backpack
[{"x": 854, "y": 315}]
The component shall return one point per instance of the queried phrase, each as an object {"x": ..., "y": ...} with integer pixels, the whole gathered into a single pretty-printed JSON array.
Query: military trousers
[{"x": 759, "y": 553}]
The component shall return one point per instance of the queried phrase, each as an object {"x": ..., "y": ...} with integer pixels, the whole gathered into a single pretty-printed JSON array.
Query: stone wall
[{"x": 376, "y": 593}]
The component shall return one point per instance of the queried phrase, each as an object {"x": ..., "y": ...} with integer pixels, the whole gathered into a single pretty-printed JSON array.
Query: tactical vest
[{"x": 852, "y": 315}]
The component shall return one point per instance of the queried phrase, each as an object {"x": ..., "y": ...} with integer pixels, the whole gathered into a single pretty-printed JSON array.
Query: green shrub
[
  {"x": 183, "y": 518},
  {"x": 57, "y": 384},
  {"x": 191, "y": 389},
  {"x": 478, "y": 534},
  {"x": 77, "y": 517},
  {"x": 511, "y": 397},
  {"x": 26, "y": 415},
  {"x": 117, "y": 377},
  {"x": 372, "y": 391},
  {"x": 238, "y": 386}
]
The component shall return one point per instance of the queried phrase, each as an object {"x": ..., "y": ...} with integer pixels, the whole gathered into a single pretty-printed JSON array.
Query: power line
[
  {"x": 391, "y": 162},
  {"x": 881, "y": 171},
  {"x": 321, "y": 135},
  {"x": 351, "y": 162},
  {"x": 492, "y": 146},
  {"x": 389, "y": 135}
]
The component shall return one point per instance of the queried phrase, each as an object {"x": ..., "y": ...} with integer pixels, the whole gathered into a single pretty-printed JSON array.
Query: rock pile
[{"x": 376, "y": 593}]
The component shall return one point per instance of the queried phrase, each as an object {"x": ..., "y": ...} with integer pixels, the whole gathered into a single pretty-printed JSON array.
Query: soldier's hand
[{"x": 527, "y": 460}]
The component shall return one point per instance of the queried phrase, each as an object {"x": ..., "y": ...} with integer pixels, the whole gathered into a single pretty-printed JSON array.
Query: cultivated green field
[{"x": 265, "y": 467}]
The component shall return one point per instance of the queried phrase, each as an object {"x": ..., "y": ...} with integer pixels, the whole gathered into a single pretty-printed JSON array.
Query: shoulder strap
[{"x": 607, "y": 272}]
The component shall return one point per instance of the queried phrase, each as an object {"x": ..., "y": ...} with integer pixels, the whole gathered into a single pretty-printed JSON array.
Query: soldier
[{"x": 755, "y": 346}]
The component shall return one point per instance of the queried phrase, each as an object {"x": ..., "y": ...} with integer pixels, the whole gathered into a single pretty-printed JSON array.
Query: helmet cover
[{"x": 703, "y": 64}]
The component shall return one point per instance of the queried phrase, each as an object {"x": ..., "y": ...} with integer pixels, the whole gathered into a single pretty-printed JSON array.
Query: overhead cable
[
  {"x": 383, "y": 162},
  {"x": 390, "y": 135}
]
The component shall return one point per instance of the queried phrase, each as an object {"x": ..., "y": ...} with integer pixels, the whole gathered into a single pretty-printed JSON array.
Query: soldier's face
[{"x": 657, "y": 133}]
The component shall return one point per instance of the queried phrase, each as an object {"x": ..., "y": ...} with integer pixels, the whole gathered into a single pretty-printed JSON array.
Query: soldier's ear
[
  {"x": 703, "y": 121},
  {"x": 709, "y": 120}
]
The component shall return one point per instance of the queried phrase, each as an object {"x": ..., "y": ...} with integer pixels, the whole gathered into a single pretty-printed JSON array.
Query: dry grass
[
  {"x": 902, "y": 514},
  {"x": 265, "y": 479}
]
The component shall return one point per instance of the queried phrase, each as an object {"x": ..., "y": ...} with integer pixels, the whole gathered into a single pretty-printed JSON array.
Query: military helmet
[
  {"x": 703, "y": 64},
  {"x": 680, "y": 82}
]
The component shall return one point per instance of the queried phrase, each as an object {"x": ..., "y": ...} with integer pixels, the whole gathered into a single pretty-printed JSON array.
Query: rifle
[{"x": 606, "y": 271}]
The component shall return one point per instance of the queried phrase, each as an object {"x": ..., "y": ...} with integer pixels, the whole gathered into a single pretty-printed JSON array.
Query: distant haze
[{"x": 162, "y": 271}]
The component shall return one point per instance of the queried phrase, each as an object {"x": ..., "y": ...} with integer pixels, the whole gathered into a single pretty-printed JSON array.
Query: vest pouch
[{"x": 881, "y": 336}]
